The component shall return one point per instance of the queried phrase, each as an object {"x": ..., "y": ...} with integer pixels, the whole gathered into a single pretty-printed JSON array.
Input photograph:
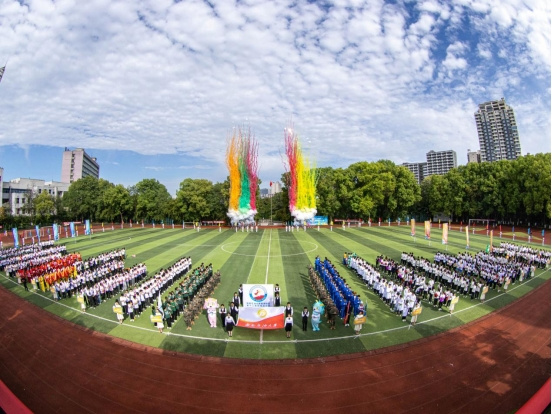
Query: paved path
[{"x": 493, "y": 365}]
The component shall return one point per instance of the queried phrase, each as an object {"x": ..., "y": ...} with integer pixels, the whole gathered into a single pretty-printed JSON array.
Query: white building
[
  {"x": 497, "y": 131},
  {"x": 17, "y": 192},
  {"x": 440, "y": 162},
  {"x": 78, "y": 164}
]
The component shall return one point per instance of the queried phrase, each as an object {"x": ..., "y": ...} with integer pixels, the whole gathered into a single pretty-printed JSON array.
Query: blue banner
[
  {"x": 87, "y": 227},
  {"x": 15, "y": 237},
  {"x": 37, "y": 232},
  {"x": 56, "y": 231},
  {"x": 72, "y": 227},
  {"x": 318, "y": 221}
]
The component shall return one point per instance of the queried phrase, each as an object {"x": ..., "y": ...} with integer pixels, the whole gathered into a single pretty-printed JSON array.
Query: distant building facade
[
  {"x": 275, "y": 188},
  {"x": 419, "y": 169},
  {"x": 440, "y": 162},
  {"x": 78, "y": 164},
  {"x": 474, "y": 157},
  {"x": 437, "y": 163},
  {"x": 17, "y": 193},
  {"x": 497, "y": 131}
]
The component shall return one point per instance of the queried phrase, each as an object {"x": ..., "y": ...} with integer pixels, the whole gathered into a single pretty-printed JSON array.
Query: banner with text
[
  {"x": 258, "y": 296},
  {"x": 318, "y": 221},
  {"x": 87, "y": 227},
  {"x": 56, "y": 231},
  {"x": 261, "y": 318}
]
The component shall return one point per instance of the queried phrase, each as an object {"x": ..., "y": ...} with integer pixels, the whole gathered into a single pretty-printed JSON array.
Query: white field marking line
[
  {"x": 266, "y": 275},
  {"x": 280, "y": 255},
  {"x": 268, "y": 256},
  {"x": 446, "y": 315},
  {"x": 255, "y": 256}
]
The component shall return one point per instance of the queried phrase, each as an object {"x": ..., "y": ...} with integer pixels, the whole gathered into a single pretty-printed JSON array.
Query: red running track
[{"x": 494, "y": 364}]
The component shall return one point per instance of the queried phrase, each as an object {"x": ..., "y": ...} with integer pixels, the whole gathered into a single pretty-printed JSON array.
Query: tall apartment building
[
  {"x": 275, "y": 188},
  {"x": 419, "y": 169},
  {"x": 497, "y": 131},
  {"x": 474, "y": 157},
  {"x": 78, "y": 164},
  {"x": 440, "y": 162}
]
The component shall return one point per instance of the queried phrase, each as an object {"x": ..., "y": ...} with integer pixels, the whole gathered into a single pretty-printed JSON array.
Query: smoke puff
[
  {"x": 242, "y": 216},
  {"x": 304, "y": 214}
]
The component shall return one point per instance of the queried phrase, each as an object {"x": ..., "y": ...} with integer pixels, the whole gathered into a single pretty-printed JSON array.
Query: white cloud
[{"x": 363, "y": 80}]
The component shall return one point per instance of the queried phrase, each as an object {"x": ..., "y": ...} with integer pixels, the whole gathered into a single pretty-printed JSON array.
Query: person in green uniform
[{"x": 168, "y": 316}]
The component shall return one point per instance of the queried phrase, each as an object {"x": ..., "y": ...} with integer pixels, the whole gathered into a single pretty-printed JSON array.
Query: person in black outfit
[{"x": 305, "y": 318}]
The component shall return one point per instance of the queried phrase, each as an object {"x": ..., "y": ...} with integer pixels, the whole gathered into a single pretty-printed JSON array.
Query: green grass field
[{"x": 274, "y": 256}]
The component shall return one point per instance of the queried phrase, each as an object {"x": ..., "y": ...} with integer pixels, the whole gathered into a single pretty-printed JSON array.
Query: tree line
[{"x": 507, "y": 191}]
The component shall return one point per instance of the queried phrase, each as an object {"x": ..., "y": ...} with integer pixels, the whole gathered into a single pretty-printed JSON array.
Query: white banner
[
  {"x": 263, "y": 318},
  {"x": 258, "y": 296}
]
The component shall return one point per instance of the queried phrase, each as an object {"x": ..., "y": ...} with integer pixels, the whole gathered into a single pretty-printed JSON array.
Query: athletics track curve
[{"x": 494, "y": 364}]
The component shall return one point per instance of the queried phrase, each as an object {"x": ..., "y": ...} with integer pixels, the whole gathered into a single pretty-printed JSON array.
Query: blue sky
[{"x": 154, "y": 88}]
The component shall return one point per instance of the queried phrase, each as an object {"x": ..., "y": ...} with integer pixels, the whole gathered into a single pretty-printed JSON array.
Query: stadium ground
[{"x": 488, "y": 359}]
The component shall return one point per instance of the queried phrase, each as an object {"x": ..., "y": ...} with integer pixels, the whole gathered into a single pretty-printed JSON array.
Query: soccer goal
[{"x": 484, "y": 223}]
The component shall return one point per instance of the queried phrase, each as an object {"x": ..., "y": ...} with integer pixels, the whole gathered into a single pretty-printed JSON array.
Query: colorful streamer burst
[
  {"x": 241, "y": 160},
  {"x": 302, "y": 180}
]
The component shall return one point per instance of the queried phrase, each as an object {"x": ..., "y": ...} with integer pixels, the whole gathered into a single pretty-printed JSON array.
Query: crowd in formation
[
  {"x": 18, "y": 258},
  {"x": 347, "y": 301},
  {"x": 324, "y": 296},
  {"x": 402, "y": 286},
  {"x": 194, "y": 290},
  {"x": 136, "y": 299}
]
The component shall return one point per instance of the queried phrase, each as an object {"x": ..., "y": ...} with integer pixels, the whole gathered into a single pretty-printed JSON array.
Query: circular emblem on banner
[
  {"x": 258, "y": 293},
  {"x": 261, "y": 313}
]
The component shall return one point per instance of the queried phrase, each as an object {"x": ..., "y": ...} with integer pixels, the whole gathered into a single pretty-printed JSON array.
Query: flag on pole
[
  {"x": 15, "y": 237},
  {"x": 412, "y": 227},
  {"x": 159, "y": 303},
  {"x": 2, "y": 72},
  {"x": 445, "y": 233},
  {"x": 427, "y": 226},
  {"x": 467, "y": 236},
  {"x": 491, "y": 242}
]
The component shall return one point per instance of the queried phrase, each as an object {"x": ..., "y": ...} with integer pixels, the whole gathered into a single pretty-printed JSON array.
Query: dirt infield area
[{"x": 494, "y": 364}]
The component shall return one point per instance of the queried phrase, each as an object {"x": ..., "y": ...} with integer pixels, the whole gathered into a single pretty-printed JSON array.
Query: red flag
[{"x": 271, "y": 183}]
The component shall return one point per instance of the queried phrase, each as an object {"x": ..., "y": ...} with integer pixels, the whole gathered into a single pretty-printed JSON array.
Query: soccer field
[{"x": 275, "y": 256}]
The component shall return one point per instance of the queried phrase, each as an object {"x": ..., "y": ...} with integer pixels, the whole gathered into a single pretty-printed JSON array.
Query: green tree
[
  {"x": 151, "y": 200},
  {"x": 332, "y": 192},
  {"x": 116, "y": 204},
  {"x": 44, "y": 207},
  {"x": 194, "y": 199},
  {"x": 83, "y": 198},
  {"x": 219, "y": 200}
]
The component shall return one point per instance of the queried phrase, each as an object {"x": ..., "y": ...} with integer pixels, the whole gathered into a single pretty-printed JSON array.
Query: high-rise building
[
  {"x": 474, "y": 157},
  {"x": 418, "y": 169},
  {"x": 497, "y": 131},
  {"x": 440, "y": 162},
  {"x": 275, "y": 188},
  {"x": 78, "y": 164}
]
